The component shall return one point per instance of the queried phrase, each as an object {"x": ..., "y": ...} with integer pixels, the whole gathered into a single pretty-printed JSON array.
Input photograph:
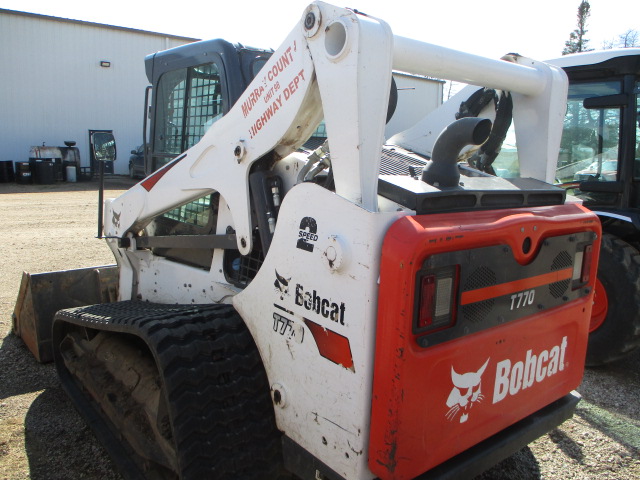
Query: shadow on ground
[
  {"x": 606, "y": 392},
  {"x": 59, "y": 450},
  {"x": 56, "y": 439},
  {"x": 522, "y": 465},
  {"x": 20, "y": 373}
]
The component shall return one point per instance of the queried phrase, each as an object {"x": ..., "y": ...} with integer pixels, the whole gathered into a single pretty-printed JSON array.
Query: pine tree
[{"x": 577, "y": 41}]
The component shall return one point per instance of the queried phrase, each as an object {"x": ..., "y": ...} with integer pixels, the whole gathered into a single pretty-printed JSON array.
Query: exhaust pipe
[{"x": 443, "y": 171}]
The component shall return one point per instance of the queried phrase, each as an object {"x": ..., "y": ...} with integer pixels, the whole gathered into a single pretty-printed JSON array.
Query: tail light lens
[{"x": 436, "y": 299}]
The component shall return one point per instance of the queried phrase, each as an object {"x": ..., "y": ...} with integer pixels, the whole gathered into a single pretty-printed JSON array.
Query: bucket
[
  {"x": 6, "y": 171},
  {"x": 23, "y": 173},
  {"x": 71, "y": 173},
  {"x": 45, "y": 173}
]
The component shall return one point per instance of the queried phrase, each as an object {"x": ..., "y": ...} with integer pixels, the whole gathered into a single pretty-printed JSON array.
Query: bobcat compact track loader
[{"x": 355, "y": 312}]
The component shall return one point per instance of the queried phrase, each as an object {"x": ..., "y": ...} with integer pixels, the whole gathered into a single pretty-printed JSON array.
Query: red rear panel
[{"x": 512, "y": 342}]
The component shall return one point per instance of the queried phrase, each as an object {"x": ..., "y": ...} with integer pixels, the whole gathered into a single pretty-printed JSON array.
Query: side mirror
[
  {"x": 103, "y": 146},
  {"x": 133, "y": 152}
]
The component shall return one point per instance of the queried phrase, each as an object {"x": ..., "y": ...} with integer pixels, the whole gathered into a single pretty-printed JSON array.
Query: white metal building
[{"x": 62, "y": 78}]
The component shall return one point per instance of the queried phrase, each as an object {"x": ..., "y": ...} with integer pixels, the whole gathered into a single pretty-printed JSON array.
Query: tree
[
  {"x": 628, "y": 39},
  {"x": 577, "y": 41}
]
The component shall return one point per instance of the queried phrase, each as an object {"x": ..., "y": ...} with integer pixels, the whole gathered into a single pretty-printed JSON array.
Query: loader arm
[
  {"x": 315, "y": 72},
  {"x": 325, "y": 67}
]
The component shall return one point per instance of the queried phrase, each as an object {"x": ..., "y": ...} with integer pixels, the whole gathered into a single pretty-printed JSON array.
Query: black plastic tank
[
  {"x": 6, "y": 171},
  {"x": 24, "y": 173}
]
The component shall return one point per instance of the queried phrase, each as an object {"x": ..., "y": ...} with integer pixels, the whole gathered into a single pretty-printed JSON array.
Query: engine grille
[
  {"x": 480, "y": 278},
  {"x": 561, "y": 261},
  {"x": 393, "y": 162}
]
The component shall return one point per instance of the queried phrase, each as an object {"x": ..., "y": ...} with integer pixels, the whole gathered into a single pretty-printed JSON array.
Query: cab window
[
  {"x": 188, "y": 102},
  {"x": 637, "y": 158},
  {"x": 590, "y": 137}
]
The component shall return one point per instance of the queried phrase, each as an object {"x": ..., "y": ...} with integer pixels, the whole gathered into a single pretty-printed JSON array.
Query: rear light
[
  {"x": 582, "y": 266},
  {"x": 427, "y": 294},
  {"x": 436, "y": 299}
]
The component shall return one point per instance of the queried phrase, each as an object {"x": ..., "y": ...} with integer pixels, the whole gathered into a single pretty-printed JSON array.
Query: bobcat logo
[
  {"x": 282, "y": 285},
  {"x": 116, "y": 219},
  {"x": 469, "y": 383}
]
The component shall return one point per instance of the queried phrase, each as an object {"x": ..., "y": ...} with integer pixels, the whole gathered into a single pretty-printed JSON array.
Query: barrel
[
  {"x": 45, "y": 173},
  {"x": 6, "y": 171},
  {"x": 71, "y": 173},
  {"x": 24, "y": 174}
]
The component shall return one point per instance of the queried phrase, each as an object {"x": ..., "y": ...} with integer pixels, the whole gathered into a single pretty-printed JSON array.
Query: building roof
[{"x": 92, "y": 24}]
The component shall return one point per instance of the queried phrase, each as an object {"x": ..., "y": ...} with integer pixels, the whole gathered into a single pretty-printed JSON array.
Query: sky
[{"x": 536, "y": 29}]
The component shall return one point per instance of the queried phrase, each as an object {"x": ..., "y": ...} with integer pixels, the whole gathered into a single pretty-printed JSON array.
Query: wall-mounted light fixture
[{"x": 105, "y": 64}]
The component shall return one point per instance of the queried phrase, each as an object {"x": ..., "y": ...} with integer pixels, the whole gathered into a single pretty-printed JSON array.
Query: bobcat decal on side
[
  {"x": 282, "y": 285},
  {"x": 115, "y": 220},
  {"x": 511, "y": 378},
  {"x": 465, "y": 394}
]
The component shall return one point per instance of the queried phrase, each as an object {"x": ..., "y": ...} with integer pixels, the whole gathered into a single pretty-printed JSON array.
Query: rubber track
[{"x": 216, "y": 387}]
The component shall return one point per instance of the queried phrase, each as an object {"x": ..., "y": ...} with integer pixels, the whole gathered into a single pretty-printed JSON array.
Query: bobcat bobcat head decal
[
  {"x": 282, "y": 285},
  {"x": 465, "y": 394},
  {"x": 116, "y": 219}
]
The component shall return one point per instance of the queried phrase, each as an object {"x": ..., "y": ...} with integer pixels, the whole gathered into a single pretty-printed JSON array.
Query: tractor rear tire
[{"x": 619, "y": 274}]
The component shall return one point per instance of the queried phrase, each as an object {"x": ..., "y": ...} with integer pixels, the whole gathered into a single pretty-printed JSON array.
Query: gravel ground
[{"x": 53, "y": 227}]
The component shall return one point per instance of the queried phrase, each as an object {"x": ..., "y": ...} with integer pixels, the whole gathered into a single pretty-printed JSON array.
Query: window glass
[
  {"x": 170, "y": 112},
  {"x": 590, "y": 137},
  {"x": 188, "y": 102},
  {"x": 204, "y": 104},
  {"x": 203, "y": 108},
  {"x": 199, "y": 217},
  {"x": 257, "y": 64},
  {"x": 507, "y": 164},
  {"x": 193, "y": 213},
  {"x": 637, "y": 162}
]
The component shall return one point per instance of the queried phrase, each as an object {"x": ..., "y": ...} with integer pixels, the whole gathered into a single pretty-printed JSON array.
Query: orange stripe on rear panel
[{"x": 486, "y": 293}]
